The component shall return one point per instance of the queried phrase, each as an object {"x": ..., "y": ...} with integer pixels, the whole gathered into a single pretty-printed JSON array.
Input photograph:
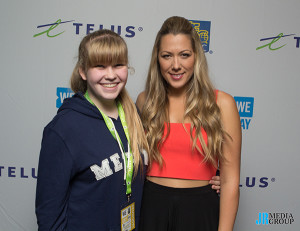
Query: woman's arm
[{"x": 230, "y": 166}]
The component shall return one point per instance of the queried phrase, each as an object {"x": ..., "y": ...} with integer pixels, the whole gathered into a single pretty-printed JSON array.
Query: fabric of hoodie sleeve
[{"x": 53, "y": 182}]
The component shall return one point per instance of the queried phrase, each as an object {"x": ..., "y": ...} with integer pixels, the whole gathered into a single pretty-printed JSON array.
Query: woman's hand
[{"x": 215, "y": 183}]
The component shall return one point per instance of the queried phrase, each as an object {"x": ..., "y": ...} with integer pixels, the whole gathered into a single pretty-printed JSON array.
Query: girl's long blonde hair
[
  {"x": 201, "y": 107},
  {"x": 105, "y": 47}
]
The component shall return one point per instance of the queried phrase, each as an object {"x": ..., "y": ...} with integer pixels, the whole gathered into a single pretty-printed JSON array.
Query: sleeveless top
[{"x": 180, "y": 160}]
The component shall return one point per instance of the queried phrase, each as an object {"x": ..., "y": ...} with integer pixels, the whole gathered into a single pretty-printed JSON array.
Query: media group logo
[
  {"x": 265, "y": 218},
  {"x": 57, "y": 28},
  {"x": 272, "y": 44},
  {"x": 203, "y": 30},
  {"x": 245, "y": 106}
]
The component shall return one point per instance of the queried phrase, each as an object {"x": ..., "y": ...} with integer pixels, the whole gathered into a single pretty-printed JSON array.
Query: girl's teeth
[{"x": 110, "y": 85}]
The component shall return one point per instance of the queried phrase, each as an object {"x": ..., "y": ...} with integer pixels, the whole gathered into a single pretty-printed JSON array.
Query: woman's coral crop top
[{"x": 180, "y": 161}]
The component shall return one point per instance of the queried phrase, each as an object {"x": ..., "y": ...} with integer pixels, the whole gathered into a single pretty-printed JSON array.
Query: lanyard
[{"x": 128, "y": 158}]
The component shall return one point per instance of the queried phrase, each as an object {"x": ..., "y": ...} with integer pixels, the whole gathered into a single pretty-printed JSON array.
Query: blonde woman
[
  {"x": 89, "y": 175},
  {"x": 191, "y": 128}
]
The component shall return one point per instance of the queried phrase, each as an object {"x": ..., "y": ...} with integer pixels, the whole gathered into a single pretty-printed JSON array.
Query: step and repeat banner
[{"x": 253, "y": 52}]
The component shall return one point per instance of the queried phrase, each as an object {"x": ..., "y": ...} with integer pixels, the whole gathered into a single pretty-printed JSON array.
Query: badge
[{"x": 128, "y": 218}]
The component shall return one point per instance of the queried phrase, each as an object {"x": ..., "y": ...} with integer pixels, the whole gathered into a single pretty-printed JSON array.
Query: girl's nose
[{"x": 110, "y": 74}]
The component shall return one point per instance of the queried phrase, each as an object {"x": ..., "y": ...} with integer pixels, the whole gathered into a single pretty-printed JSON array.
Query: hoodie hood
[{"x": 80, "y": 104}]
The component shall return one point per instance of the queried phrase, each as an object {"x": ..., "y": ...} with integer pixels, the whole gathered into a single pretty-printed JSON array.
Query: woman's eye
[
  {"x": 165, "y": 56},
  {"x": 119, "y": 65},
  {"x": 185, "y": 55},
  {"x": 100, "y": 66}
]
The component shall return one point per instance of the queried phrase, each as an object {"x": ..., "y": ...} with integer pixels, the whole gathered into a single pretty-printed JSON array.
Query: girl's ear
[{"x": 82, "y": 73}]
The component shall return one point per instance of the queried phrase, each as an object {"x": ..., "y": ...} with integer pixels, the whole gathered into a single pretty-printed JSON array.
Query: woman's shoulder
[
  {"x": 225, "y": 100},
  {"x": 140, "y": 101},
  {"x": 228, "y": 107}
]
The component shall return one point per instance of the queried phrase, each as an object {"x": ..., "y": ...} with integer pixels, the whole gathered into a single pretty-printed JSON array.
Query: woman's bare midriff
[{"x": 177, "y": 183}]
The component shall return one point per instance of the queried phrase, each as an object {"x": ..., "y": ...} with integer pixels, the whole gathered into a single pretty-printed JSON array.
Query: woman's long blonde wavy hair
[
  {"x": 201, "y": 107},
  {"x": 105, "y": 47}
]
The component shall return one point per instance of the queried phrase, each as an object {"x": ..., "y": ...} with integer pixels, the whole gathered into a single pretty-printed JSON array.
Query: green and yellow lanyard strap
[{"x": 128, "y": 159}]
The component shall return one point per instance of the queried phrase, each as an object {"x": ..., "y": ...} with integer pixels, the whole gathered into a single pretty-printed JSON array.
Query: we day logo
[
  {"x": 245, "y": 106},
  {"x": 63, "y": 93}
]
